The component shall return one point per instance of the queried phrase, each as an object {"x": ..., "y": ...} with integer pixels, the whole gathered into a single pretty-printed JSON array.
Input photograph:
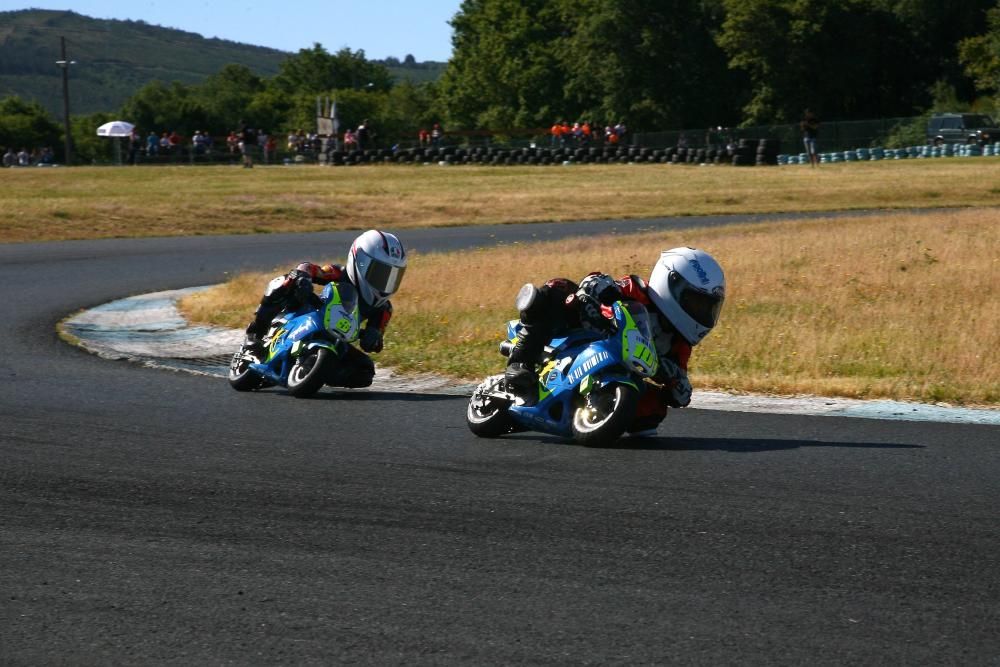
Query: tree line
[{"x": 653, "y": 64}]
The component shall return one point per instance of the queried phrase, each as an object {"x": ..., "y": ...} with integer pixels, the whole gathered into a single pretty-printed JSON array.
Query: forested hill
[{"x": 116, "y": 58}]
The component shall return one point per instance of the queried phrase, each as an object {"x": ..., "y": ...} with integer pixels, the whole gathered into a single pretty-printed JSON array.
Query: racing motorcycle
[
  {"x": 302, "y": 348},
  {"x": 589, "y": 383}
]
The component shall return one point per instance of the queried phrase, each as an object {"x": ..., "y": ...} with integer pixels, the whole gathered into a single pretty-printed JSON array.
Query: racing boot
[
  {"x": 522, "y": 381},
  {"x": 521, "y": 375},
  {"x": 253, "y": 344}
]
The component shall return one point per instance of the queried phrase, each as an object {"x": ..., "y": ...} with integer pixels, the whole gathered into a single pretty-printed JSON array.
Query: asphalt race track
[{"x": 150, "y": 516}]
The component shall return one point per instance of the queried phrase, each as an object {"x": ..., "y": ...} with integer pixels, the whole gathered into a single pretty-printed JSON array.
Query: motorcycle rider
[
  {"x": 685, "y": 292},
  {"x": 376, "y": 263}
]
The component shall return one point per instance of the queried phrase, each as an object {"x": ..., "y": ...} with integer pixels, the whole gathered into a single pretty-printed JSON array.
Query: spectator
[
  {"x": 423, "y": 137},
  {"x": 810, "y": 132},
  {"x": 713, "y": 135},
  {"x": 24, "y": 158},
  {"x": 363, "y": 135},
  {"x": 47, "y": 158},
  {"x": 621, "y": 130},
  {"x": 350, "y": 141},
  {"x": 293, "y": 141},
  {"x": 175, "y": 141},
  {"x": 165, "y": 143},
  {"x": 152, "y": 144},
  {"x": 248, "y": 140},
  {"x": 556, "y": 132},
  {"x": 233, "y": 142},
  {"x": 270, "y": 148},
  {"x": 134, "y": 144},
  {"x": 9, "y": 158},
  {"x": 436, "y": 134},
  {"x": 199, "y": 143}
]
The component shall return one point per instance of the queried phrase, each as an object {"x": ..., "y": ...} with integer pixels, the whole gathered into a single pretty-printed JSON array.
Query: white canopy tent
[{"x": 116, "y": 128}]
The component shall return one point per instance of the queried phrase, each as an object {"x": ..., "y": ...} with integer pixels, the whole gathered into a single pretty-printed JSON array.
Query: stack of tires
[
  {"x": 746, "y": 151},
  {"x": 749, "y": 152},
  {"x": 767, "y": 151}
]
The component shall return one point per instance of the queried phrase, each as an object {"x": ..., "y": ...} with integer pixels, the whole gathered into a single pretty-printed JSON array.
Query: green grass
[
  {"x": 813, "y": 307},
  {"x": 115, "y": 202}
]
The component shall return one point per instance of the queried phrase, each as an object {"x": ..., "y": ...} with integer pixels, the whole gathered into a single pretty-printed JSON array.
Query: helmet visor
[
  {"x": 703, "y": 307},
  {"x": 383, "y": 277}
]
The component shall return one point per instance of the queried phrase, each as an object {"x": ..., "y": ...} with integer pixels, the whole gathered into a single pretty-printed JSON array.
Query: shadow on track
[
  {"x": 368, "y": 395},
  {"x": 733, "y": 445},
  {"x": 744, "y": 445}
]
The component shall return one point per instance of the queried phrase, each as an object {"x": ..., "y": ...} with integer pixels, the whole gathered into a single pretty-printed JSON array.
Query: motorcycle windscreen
[
  {"x": 383, "y": 277},
  {"x": 347, "y": 294},
  {"x": 640, "y": 315}
]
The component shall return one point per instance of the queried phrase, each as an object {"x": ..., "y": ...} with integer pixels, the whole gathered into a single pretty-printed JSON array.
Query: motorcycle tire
[
  {"x": 605, "y": 415},
  {"x": 309, "y": 372},
  {"x": 488, "y": 417},
  {"x": 241, "y": 378}
]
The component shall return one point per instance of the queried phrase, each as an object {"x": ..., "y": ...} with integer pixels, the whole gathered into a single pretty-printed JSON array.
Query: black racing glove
[
  {"x": 676, "y": 383},
  {"x": 591, "y": 316},
  {"x": 601, "y": 287},
  {"x": 371, "y": 339},
  {"x": 302, "y": 288}
]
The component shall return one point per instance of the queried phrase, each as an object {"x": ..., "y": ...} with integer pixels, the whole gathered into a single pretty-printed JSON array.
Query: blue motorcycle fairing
[
  {"x": 578, "y": 363},
  {"x": 574, "y": 361},
  {"x": 287, "y": 345}
]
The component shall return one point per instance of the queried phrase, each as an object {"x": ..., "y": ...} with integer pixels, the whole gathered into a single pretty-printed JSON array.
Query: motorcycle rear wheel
[
  {"x": 487, "y": 416},
  {"x": 309, "y": 372},
  {"x": 605, "y": 415},
  {"x": 241, "y": 378}
]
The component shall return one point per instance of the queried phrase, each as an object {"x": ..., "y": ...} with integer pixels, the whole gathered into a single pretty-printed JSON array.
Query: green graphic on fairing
[
  {"x": 544, "y": 391},
  {"x": 636, "y": 347},
  {"x": 275, "y": 340},
  {"x": 337, "y": 318}
]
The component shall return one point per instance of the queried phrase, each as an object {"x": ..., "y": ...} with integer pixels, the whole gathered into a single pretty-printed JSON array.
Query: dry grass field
[
  {"x": 93, "y": 202},
  {"x": 903, "y": 307}
]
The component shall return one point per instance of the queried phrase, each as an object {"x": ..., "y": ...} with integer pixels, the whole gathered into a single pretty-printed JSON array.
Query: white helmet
[
  {"x": 688, "y": 287},
  {"x": 376, "y": 264}
]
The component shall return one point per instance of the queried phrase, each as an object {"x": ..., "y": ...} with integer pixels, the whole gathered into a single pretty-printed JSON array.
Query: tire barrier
[
  {"x": 748, "y": 153},
  {"x": 497, "y": 156},
  {"x": 907, "y": 153}
]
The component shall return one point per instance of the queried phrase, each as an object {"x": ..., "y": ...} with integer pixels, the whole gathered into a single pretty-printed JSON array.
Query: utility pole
[{"x": 65, "y": 63}]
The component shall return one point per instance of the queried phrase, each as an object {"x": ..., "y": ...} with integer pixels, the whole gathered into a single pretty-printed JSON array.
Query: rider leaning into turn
[
  {"x": 375, "y": 266},
  {"x": 685, "y": 291}
]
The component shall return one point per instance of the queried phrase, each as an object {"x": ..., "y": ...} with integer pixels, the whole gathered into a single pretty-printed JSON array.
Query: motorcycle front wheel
[
  {"x": 487, "y": 416},
  {"x": 604, "y": 415},
  {"x": 309, "y": 372},
  {"x": 241, "y": 378}
]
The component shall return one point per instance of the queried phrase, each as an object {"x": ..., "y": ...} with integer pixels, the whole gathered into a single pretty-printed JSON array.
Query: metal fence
[{"x": 833, "y": 136}]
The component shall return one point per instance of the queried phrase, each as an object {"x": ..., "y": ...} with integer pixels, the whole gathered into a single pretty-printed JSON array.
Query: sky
[{"x": 383, "y": 28}]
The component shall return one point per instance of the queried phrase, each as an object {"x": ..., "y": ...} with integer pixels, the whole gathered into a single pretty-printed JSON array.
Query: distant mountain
[
  {"x": 409, "y": 69},
  {"x": 116, "y": 58}
]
